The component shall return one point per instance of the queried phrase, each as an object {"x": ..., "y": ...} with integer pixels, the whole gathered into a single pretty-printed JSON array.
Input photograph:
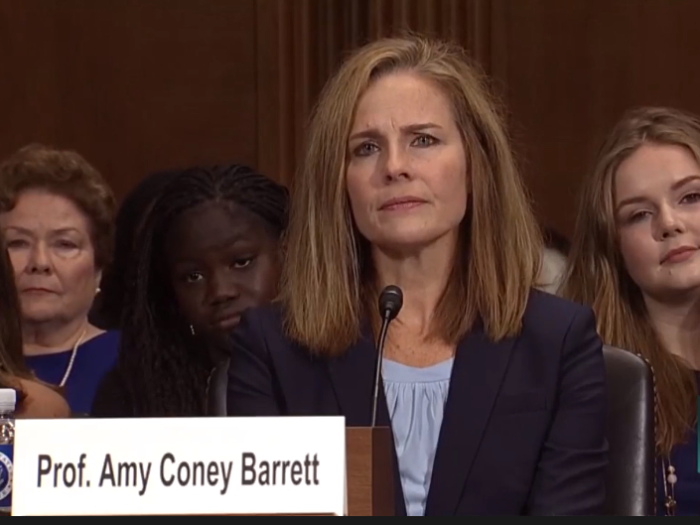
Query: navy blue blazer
[{"x": 524, "y": 428}]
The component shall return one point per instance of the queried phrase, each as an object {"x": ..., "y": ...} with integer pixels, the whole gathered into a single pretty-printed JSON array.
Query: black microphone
[{"x": 390, "y": 303}]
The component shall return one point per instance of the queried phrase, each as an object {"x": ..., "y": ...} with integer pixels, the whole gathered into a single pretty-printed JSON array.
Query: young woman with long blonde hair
[{"x": 635, "y": 259}]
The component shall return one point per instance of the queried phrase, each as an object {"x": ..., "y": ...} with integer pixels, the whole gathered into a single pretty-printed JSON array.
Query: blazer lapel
[
  {"x": 477, "y": 374},
  {"x": 352, "y": 377}
]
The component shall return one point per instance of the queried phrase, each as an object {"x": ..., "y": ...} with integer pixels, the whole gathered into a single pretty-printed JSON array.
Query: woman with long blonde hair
[
  {"x": 494, "y": 392},
  {"x": 635, "y": 260}
]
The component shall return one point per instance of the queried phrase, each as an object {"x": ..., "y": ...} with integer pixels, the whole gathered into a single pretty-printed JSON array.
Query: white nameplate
[{"x": 179, "y": 466}]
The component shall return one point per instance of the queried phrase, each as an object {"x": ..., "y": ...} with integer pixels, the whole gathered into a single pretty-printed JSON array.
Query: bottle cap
[{"x": 8, "y": 399}]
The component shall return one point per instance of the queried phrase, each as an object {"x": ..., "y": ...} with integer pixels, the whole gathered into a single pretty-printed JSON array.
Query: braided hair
[
  {"x": 108, "y": 308},
  {"x": 164, "y": 367}
]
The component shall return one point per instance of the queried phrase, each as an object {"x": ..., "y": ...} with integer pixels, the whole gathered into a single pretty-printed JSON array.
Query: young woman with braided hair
[{"x": 207, "y": 250}]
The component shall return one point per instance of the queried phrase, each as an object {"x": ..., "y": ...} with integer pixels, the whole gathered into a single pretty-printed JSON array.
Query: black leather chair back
[
  {"x": 630, "y": 483},
  {"x": 218, "y": 384}
]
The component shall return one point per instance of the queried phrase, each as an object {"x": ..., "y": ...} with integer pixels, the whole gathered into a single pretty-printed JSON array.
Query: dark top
[
  {"x": 684, "y": 459},
  {"x": 524, "y": 423},
  {"x": 111, "y": 399},
  {"x": 92, "y": 361}
]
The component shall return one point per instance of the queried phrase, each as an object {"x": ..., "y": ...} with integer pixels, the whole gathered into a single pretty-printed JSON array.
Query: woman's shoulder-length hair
[{"x": 324, "y": 294}]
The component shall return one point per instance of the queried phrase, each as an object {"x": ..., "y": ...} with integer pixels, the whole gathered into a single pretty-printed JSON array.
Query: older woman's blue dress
[{"x": 92, "y": 361}]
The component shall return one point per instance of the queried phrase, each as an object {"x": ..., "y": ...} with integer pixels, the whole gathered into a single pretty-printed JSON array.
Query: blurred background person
[
  {"x": 556, "y": 251},
  {"x": 208, "y": 249},
  {"x": 56, "y": 213},
  {"x": 409, "y": 180},
  {"x": 635, "y": 259}
]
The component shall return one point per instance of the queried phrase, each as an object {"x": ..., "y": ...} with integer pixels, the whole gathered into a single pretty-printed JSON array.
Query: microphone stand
[{"x": 386, "y": 319}]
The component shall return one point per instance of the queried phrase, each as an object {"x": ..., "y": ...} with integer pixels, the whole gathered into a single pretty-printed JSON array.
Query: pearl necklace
[
  {"x": 670, "y": 480},
  {"x": 74, "y": 353}
]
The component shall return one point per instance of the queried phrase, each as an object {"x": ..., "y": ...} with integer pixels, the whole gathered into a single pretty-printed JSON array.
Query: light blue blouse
[{"x": 416, "y": 400}]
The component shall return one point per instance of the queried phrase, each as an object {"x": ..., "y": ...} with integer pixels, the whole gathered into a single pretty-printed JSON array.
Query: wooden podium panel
[{"x": 370, "y": 475}]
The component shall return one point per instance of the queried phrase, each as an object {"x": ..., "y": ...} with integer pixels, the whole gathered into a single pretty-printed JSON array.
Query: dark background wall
[{"x": 140, "y": 85}]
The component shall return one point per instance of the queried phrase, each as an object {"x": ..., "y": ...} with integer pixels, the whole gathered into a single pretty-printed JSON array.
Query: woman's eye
[
  {"x": 365, "y": 149},
  {"x": 66, "y": 245},
  {"x": 193, "y": 277},
  {"x": 691, "y": 198},
  {"x": 17, "y": 243},
  {"x": 242, "y": 263},
  {"x": 424, "y": 141}
]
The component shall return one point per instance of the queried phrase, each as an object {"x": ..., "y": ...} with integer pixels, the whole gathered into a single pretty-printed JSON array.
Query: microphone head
[{"x": 390, "y": 302}]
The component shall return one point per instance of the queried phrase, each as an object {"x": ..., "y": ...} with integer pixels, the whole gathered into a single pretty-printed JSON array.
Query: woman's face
[
  {"x": 657, "y": 206},
  {"x": 222, "y": 259},
  {"x": 49, "y": 243},
  {"x": 406, "y": 175}
]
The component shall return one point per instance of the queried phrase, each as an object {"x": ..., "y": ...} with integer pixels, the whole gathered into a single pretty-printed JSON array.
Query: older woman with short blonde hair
[
  {"x": 35, "y": 400},
  {"x": 57, "y": 213}
]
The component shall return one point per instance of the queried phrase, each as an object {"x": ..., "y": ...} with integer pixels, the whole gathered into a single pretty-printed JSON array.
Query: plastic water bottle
[{"x": 8, "y": 401}]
